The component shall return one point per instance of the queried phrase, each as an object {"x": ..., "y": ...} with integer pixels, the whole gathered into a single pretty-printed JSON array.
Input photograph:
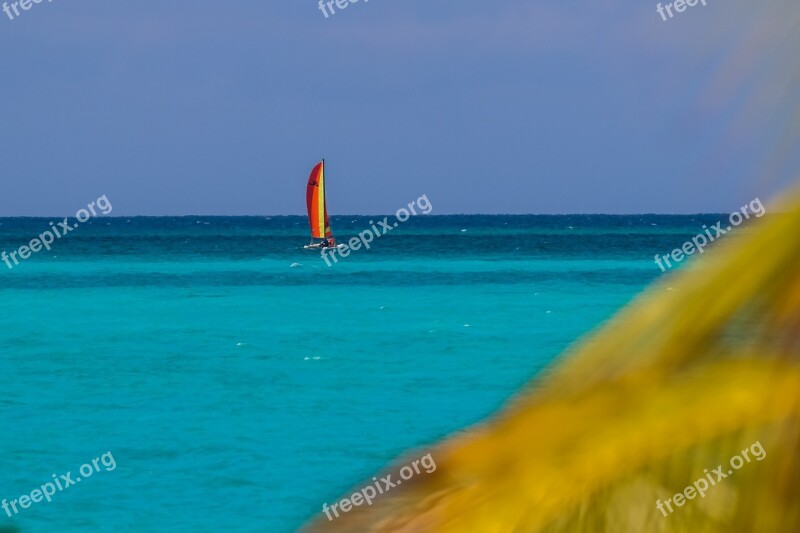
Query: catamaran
[{"x": 318, "y": 210}]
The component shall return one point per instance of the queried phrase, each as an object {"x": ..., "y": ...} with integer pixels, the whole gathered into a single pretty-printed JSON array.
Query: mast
[{"x": 325, "y": 200}]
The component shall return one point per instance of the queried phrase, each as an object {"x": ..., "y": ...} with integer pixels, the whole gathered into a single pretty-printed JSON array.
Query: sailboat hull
[{"x": 314, "y": 247}]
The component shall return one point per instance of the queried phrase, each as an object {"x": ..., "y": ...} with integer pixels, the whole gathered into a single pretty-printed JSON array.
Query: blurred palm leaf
[{"x": 698, "y": 369}]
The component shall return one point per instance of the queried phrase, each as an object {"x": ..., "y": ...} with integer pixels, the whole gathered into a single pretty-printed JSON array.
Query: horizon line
[{"x": 4, "y": 217}]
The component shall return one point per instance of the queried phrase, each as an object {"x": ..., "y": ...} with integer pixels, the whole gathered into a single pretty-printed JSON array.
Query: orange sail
[{"x": 315, "y": 201}]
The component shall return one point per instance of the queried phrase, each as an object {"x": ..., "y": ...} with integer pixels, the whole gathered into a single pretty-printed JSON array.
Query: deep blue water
[{"x": 239, "y": 382}]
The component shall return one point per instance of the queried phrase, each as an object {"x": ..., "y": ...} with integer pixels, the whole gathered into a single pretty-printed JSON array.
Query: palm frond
[{"x": 698, "y": 369}]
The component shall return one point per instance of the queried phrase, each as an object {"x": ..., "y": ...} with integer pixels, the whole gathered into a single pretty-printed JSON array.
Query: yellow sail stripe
[{"x": 321, "y": 201}]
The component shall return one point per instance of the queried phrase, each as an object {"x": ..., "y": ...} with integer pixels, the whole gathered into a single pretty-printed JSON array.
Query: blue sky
[{"x": 519, "y": 106}]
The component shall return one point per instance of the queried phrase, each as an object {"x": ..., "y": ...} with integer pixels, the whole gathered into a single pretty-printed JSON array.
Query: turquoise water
[{"x": 240, "y": 383}]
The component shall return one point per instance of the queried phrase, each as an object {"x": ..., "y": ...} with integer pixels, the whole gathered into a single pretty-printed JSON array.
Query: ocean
[{"x": 239, "y": 382}]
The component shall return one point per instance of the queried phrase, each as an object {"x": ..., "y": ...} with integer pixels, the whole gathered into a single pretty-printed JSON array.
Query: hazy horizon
[{"x": 334, "y": 216}]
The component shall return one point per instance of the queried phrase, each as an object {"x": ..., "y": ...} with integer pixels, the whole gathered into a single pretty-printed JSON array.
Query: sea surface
[{"x": 239, "y": 382}]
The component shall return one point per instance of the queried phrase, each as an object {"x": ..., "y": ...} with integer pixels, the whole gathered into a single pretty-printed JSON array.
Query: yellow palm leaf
[{"x": 699, "y": 369}]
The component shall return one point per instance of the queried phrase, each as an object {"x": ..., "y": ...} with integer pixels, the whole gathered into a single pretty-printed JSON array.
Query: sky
[{"x": 516, "y": 106}]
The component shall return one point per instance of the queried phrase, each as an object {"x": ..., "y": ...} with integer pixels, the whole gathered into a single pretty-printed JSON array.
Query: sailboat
[{"x": 318, "y": 211}]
